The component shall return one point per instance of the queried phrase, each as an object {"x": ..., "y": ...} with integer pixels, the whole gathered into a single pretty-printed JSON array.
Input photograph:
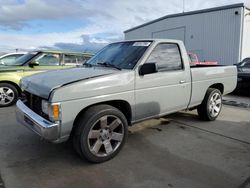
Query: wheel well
[
  {"x": 218, "y": 86},
  {"x": 14, "y": 84},
  {"x": 122, "y": 105}
]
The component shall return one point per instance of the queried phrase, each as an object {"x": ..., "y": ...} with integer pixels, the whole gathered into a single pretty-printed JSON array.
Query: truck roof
[{"x": 152, "y": 40}]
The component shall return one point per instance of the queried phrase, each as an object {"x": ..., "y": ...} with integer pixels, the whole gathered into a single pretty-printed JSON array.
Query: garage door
[{"x": 173, "y": 33}]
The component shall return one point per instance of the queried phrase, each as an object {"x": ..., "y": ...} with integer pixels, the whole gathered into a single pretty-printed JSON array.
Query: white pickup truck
[{"x": 126, "y": 82}]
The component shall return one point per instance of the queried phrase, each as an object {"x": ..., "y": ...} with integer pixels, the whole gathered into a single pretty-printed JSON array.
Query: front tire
[
  {"x": 211, "y": 105},
  {"x": 8, "y": 94},
  {"x": 100, "y": 133}
]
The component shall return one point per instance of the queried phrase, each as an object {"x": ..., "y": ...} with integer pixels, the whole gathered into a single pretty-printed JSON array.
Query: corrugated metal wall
[
  {"x": 246, "y": 35},
  {"x": 214, "y": 36}
]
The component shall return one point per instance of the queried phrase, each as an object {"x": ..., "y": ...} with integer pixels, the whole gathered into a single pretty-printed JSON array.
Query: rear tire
[
  {"x": 8, "y": 94},
  {"x": 211, "y": 105},
  {"x": 100, "y": 133}
]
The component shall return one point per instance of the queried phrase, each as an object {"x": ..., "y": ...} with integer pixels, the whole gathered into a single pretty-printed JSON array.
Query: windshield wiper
[
  {"x": 106, "y": 64},
  {"x": 87, "y": 64}
]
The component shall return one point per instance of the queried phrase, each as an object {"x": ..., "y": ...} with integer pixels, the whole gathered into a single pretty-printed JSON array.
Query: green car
[{"x": 31, "y": 63}]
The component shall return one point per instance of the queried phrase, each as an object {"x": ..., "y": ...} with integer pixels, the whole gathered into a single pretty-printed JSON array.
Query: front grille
[{"x": 34, "y": 102}]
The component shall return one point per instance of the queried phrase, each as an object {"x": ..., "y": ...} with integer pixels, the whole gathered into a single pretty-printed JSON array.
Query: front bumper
[{"x": 44, "y": 128}]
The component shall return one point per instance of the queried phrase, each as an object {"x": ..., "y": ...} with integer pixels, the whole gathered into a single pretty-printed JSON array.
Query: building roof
[{"x": 238, "y": 5}]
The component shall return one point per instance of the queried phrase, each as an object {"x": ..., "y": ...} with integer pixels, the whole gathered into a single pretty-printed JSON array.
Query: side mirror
[
  {"x": 34, "y": 63},
  {"x": 148, "y": 68}
]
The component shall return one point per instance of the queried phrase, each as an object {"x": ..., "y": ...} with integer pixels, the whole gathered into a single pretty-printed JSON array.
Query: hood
[{"x": 43, "y": 83}]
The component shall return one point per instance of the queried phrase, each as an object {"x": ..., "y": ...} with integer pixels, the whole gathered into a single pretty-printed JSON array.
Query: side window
[
  {"x": 8, "y": 59},
  {"x": 74, "y": 60},
  {"x": 48, "y": 59},
  {"x": 167, "y": 57},
  {"x": 247, "y": 65},
  {"x": 18, "y": 55}
]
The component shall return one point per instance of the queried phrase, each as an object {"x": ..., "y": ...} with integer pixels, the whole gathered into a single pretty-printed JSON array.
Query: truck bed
[{"x": 208, "y": 75}]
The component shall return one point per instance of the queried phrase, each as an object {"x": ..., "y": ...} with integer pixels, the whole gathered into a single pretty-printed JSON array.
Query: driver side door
[{"x": 167, "y": 90}]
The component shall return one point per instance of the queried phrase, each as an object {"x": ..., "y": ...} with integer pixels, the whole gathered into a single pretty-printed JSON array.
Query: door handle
[{"x": 182, "y": 82}]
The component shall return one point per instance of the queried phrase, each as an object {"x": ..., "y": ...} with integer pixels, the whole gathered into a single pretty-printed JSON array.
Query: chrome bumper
[{"x": 46, "y": 129}]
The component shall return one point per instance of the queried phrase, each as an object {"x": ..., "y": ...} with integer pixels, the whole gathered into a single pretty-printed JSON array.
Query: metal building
[{"x": 217, "y": 34}]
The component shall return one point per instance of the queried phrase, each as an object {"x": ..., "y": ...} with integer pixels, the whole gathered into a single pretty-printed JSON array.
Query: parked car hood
[{"x": 43, "y": 83}]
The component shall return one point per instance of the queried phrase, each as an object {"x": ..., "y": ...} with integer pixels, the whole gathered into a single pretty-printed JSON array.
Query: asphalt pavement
[{"x": 179, "y": 150}]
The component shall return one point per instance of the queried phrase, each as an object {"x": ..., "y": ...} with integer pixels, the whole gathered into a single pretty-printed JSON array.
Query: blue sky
[{"x": 82, "y": 24}]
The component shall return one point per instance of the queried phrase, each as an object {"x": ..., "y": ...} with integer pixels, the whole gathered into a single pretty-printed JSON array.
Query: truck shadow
[
  {"x": 148, "y": 155},
  {"x": 44, "y": 151}
]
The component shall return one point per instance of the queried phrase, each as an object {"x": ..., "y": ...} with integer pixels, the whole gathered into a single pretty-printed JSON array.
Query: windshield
[
  {"x": 23, "y": 59},
  {"x": 122, "y": 55},
  {"x": 244, "y": 62}
]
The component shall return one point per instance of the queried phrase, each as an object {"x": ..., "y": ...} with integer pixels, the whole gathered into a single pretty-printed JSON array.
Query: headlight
[
  {"x": 22, "y": 85},
  {"x": 45, "y": 107},
  {"x": 52, "y": 110}
]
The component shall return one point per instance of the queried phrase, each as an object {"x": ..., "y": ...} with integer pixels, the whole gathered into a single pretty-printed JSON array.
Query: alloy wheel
[
  {"x": 7, "y": 95},
  {"x": 105, "y": 136},
  {"x": 215, "y": 104}
]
